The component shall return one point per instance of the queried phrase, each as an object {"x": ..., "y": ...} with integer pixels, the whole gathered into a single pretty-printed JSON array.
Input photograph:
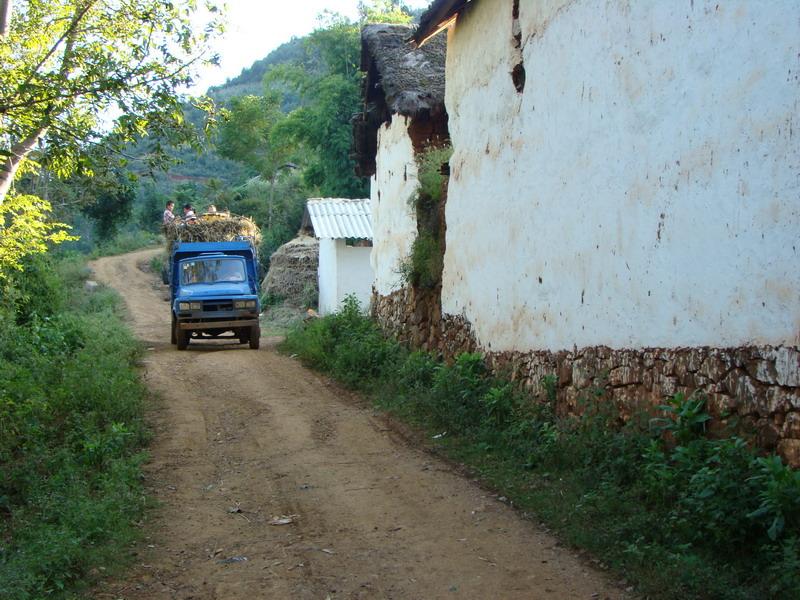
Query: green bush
[
  {"x": 127, "y": 241},
  {"x": 431, "y": 178},
  {"x": 678, "y": 513},
  {"x": 423, "y": 266},
  {"x": 71, "y": 430},
  {"x": 346, "y": 344}
]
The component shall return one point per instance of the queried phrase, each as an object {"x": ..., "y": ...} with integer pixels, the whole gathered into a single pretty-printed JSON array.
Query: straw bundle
[
  {"x": 292, "y": 271},
  {"x": 217, "y": 227}
]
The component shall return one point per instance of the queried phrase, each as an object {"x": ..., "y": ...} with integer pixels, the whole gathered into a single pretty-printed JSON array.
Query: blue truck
[{"x": 214, "y": 291}]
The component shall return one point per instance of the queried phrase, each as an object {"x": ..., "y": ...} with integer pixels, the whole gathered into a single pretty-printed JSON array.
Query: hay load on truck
[{"x": 214, "y": 282}]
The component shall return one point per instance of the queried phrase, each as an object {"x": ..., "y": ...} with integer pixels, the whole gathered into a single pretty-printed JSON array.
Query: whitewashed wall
[
  {"x": 643, "y": 190},
  {"x": 328, "y": 292},
  {"x": 394, "y": 224},
  {"x": 354, "y": 272},
  {"x": 343, "y": 270}
]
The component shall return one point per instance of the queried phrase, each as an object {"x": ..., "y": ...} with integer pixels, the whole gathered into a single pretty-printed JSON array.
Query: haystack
[
  {"x": 214, "y": 227},
  {"x": 292, "y": 272}
]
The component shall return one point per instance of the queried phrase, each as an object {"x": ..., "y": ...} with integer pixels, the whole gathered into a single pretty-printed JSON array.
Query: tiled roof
[{"x": 340, "y": 218}]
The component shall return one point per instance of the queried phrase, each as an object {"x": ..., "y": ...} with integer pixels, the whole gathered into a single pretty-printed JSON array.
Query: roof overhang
[
  {"x": 339, "y": 218},
  {"x": 438, "y": 17}
]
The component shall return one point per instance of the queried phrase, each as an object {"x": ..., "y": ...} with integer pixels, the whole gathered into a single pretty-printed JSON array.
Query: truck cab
[{"x": 214, "y": 291}]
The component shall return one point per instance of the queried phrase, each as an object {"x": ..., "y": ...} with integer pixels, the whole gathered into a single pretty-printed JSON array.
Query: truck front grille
[{"x": 217, "y": 305}]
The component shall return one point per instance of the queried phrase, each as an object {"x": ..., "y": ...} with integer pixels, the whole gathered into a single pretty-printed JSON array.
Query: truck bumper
[{"x": 219, "y": 324}]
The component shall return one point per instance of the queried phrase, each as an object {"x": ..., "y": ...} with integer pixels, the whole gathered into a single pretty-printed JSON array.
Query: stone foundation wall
[{"x": 756, "y": 389}]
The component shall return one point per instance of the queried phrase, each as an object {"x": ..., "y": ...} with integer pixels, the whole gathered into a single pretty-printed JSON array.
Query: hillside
[
  {"x": 249, "y": 80},
  {"x": 199, "y": 168}
]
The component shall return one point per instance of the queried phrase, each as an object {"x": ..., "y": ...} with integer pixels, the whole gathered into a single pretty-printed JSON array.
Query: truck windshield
[{"x": 212, "y": 270}]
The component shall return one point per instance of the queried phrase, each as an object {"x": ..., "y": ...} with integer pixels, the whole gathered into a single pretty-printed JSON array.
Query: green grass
[
  {"x": 694, "y": 518},
  {"x": 71, "y": 433},
  {"x": 127, "y": 242},
  {"x": 280, "y": 318}
]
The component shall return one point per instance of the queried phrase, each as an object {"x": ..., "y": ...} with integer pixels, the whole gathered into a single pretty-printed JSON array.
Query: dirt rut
[{"x": 245, "y": 440}]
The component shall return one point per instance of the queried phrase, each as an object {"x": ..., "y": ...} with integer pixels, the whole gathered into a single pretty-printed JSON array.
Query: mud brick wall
[{"x": 754, "y": 389}]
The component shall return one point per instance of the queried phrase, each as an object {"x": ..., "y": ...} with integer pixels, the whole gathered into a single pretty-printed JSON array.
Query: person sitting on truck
[
  {"x": 169, "y": 216},
  {"x": 188, "y": 214}
]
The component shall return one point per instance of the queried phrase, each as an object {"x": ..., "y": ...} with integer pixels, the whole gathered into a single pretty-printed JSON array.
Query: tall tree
[
  {"x": 68, "y": 64},
  {"x": 330, "y": 96},
  {"x": 246, "y": 134}
]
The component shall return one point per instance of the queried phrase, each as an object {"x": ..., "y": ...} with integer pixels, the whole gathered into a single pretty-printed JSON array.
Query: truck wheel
[
  {"x": 173, "y": 334},
  {"x": 244, "y": 335},
  {"x": 183, "y": 338},
  {"x": 255, "y": 337}
]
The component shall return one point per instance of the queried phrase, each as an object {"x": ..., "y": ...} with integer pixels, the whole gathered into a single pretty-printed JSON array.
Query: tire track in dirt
[{"x": 244, "y": 436}]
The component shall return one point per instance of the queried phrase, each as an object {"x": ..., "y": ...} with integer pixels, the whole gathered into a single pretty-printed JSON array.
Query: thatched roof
[
  {"x": 399, "y": 80},
  {"x": 410, "y": 79}
]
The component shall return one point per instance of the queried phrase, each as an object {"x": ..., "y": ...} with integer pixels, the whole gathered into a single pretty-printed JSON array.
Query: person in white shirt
[
  {"x": 188, "y": 213},
  {"x": 169, "y": 217}
]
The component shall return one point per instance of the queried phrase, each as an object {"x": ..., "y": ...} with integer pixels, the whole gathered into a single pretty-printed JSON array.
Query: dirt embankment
[{"x": 272, "y": 483}]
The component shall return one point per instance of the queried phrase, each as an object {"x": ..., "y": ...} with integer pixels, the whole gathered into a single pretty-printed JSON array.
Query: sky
[{"x": 255, "y": 27}]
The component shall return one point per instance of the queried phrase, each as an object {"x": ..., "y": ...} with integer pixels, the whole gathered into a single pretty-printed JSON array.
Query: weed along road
[{"x": 271, "y": 482}]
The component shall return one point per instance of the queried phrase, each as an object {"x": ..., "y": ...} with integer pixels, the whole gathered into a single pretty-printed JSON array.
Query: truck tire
[
  {"x": 174, "y": 332},
  {"x": 183, "y": 338},
  {"x": 255, "y": 337},
  {"x": 244, "y": 335}
]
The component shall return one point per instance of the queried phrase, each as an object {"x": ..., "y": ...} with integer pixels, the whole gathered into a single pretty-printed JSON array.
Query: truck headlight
[
  {"x": 190, "y": 305},
  {"x": 244, "y": 304}
]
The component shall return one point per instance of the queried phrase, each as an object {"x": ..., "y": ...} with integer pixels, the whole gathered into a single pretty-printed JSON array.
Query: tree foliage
[
  {"x": 330, "y": 96},
  {"x": 70, "y": 63},
  {"x": 113, "y": 196},
  {"x": 247, "y": 133},
  {"x": 25, "y": 230}
]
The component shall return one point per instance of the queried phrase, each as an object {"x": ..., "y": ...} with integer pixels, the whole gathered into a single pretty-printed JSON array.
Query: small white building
[{"x": 344, "y": 230}]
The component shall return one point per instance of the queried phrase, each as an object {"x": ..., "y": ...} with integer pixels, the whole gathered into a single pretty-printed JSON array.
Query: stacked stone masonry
[{"x": 752, "y": 389}]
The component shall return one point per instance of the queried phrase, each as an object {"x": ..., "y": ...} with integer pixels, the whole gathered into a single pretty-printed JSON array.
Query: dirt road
[{"x": 243, "y": 437}]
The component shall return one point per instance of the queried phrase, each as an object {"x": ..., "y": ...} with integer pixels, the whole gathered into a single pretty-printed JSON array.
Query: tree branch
[
  {"x": 5, "y": 16},
  {"x": 69, "y": 33},
  {"x": 9, "y": 168}
]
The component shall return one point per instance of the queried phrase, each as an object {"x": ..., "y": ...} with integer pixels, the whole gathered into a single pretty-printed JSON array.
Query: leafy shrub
[
  {"x": 429, "y": 173},
  {"x": 127, "y": 241},
  {"x": 70, "y": 433},
  {"x": 423, "y": 266},
  {"x": 346, "y": 344}
]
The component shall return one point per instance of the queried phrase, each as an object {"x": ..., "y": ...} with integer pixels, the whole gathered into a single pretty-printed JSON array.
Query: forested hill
[
  {"x": 194, "y": 168},
  {"x": 249, "y": 81}
]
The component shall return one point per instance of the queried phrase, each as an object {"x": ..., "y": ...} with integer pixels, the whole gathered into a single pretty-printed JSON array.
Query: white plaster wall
[
  {"x": 343, "y": 270},
  {"x": 644, "y": 190},
  {"x": 394, "y": 224},
  {"x": 328, "y": 293},
  {"x": 354, "y": 273}
]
